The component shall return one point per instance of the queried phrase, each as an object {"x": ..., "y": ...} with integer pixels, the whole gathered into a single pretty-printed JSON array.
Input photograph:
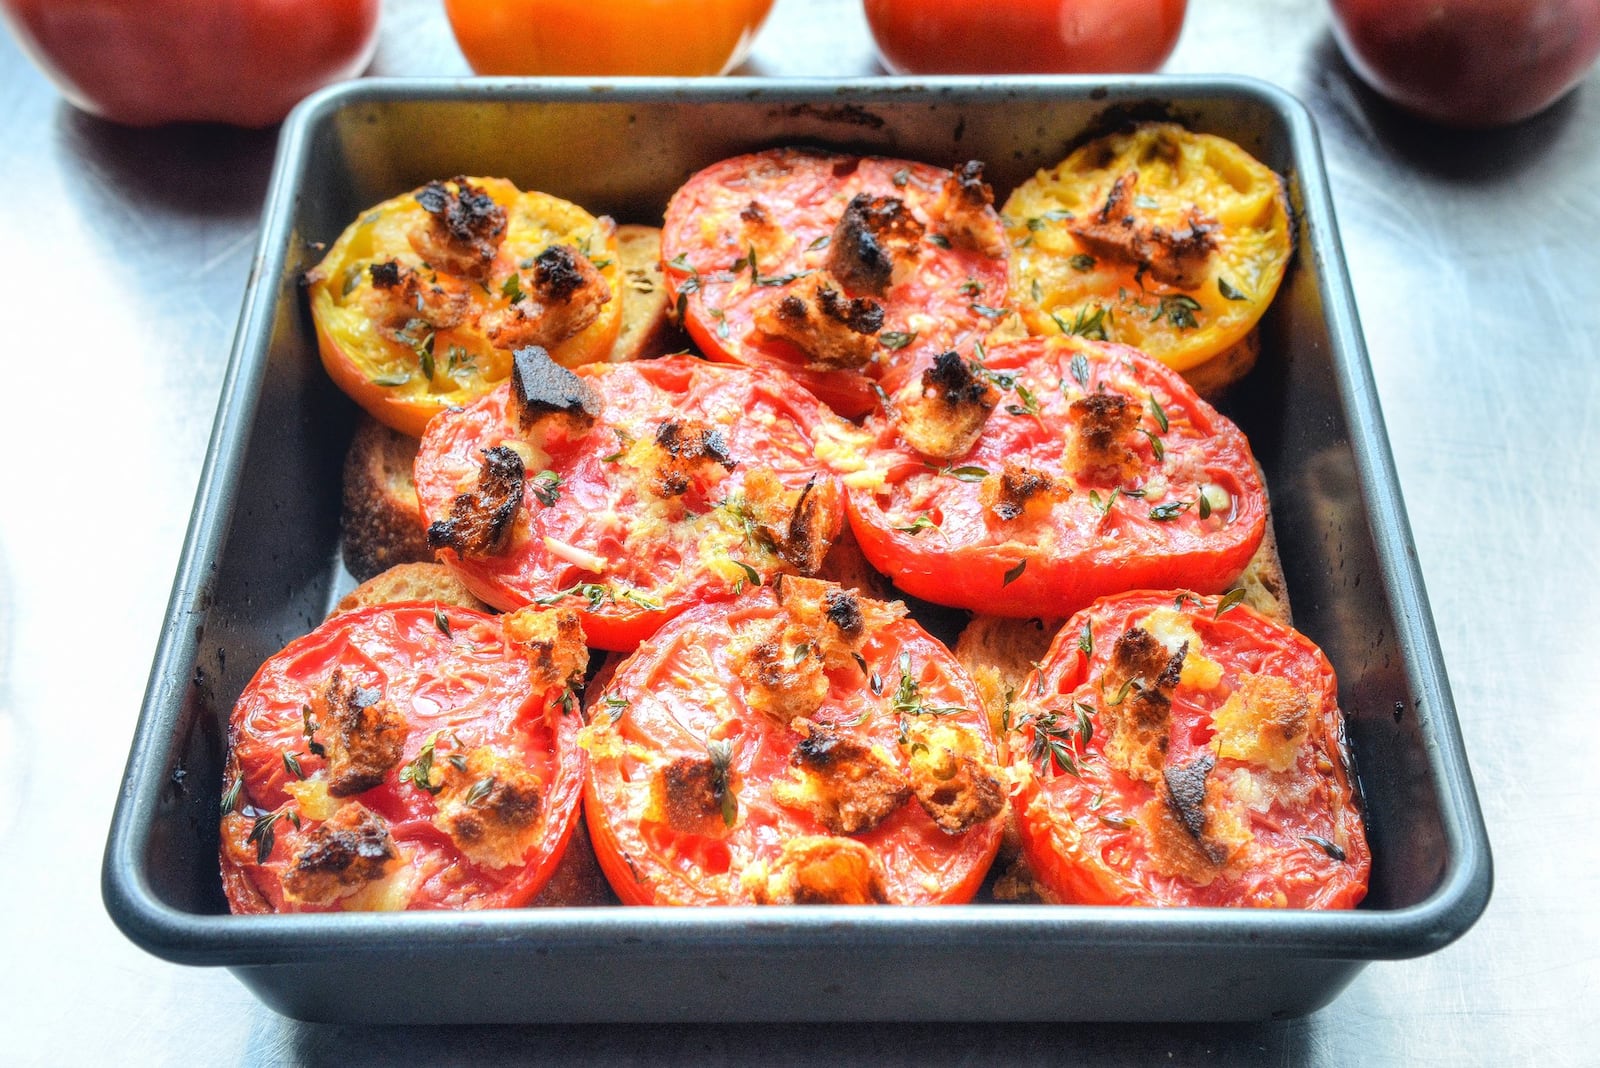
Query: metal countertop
[{"x": 1476, "y": 266}]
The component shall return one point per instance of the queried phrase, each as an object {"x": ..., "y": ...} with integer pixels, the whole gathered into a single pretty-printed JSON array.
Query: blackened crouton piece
[
  {"x": 689, "y": 794},
  {"x": 956, "y": 791},
  {"x": 464, "y": 231},
  {"x": 776, "y": 681},
  {"x": 847, "y": 786},
  {"x": 834, "y": 331},
  {"x": 1186, "y": 792},
  {"x": 872, "y": 236},
  {"x": 562, "y": 294},
  {"x": 800, "y": 525},
  {"x": 1136, "y": 705},
  {"x": 844, "y": 612},
  {"x": 946, "y": 418},
  {"x": 683, "y": 448},
  {"x": 966, "y": 207},
  {"x": 552, "y": 640},
  {"x": 407, "y": 308},
  {"x": 1174, "y": 257},
  {"x": 364, "y": 736},
  {"x": 340, "y": 856},
  {"x": 1017, "y": 488},
  {"x": 542, "y": 389},
  {"x": 480, "y": 522},
  {"x": 1102, "y": 423}
]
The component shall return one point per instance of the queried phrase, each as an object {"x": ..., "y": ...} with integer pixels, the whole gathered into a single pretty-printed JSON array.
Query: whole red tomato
[
  {"x": 575, "y": 37},
  {"x": 1025, "y": 36},
  {"x": 1469, "y": 62},
  {"x": 147, "y": 62}
]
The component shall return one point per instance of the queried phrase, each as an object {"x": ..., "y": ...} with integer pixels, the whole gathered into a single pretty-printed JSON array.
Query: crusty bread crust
[
  {"x": 411, "y": 582},
  {"x": 381, "y": 524},
  {"x": 647, "y": 327},
  {"x": 1214, "y": 377},
  {"x": 846, "y": 565}
]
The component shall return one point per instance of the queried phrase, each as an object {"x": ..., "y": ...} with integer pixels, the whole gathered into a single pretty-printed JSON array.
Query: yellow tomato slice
[
  {"x": 1182, "y": 181},
  {"x": 403, "y": 383}
]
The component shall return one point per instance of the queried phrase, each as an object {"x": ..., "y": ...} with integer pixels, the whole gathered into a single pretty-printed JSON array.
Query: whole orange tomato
[
  {"x": 1025, "y": 36},
  {"x": 556, "y": 37},
  {"x": 147, "y": 62}
]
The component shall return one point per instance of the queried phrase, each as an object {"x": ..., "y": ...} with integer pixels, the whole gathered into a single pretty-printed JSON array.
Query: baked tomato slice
[
  {"x": 410, "y": 756},
  {"x": 421, "y": 301},
  {"x": 683, "y": 481},
  {"x": 800, "y": 745},
  {"x": 834, "y": 268},
  {"x": 1170, "y": 241},
  {"x": 1048, "y": 473},
  {"x": 1184, "y": 750}
]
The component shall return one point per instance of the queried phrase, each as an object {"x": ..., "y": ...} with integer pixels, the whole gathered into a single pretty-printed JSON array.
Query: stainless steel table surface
[{"x": 1476, "y": 264}]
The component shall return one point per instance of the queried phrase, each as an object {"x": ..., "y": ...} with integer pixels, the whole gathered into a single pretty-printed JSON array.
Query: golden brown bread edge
[{"x": 647, "y": 326}]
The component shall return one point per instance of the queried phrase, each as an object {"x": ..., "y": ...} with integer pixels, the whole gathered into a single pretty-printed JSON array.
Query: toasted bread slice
[
  {"x": 411, "y": 582},
  {"x": 381, "y": 525},
  {"x": 846, "y": 565},
  {"x": 647, "y": 326},
  {"x": 1214, "y": 377}
]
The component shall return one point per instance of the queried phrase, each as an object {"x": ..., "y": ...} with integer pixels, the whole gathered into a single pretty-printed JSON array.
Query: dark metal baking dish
[{"x": 261, "y": 565}]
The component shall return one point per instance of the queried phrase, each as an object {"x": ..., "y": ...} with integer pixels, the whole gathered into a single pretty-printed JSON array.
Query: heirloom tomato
[
  {"x": 585, "y": 37},
  {"x": 244, "y": 62}
]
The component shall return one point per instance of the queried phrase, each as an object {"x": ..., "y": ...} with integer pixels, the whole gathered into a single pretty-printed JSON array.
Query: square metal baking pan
[{"x": 261, "y": 566}]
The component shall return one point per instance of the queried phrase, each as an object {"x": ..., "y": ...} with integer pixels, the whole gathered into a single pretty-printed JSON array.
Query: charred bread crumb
[
  {"x": 873, "y": 236},
  {"x": 783, "y": 661},
  {"x": 647, "y": 328},
  {"x": 561, "y": 295},
  {"x": 687, "y": 795},
  {"x": 412, "y": 582},
  {"x": 847, "y": 787},
  {"x": 819, "y": 870},
  {"x": 955, "y": 790},
  {"x": 680, "y": 450},
  {"x": 399, "y": 298},
  {"x": 544, "y": 393},
  {"x": 1172, "y": 257},
  {"x": 480, "y": 522},
  {"x": 1101, "y": 425},
  {"x": 800, "y": 525},
  {"x": 945, "y": 418},
  {"x": 381, "y": 522},
  {"x": 834, "y": 331},
  {"x": 552, "y": 640},
  {"x": 780, "y": 680},
  {"x": 340, "y": 856},
  {"x": 1018, "y": 490},
  {"x": 491, "y": 808},
  {"x": 362, "y": 732},
  {"x": 1137, "y": 706},
  {"x": 966, "y": 205},
  {"x": 464, "y": 230}
]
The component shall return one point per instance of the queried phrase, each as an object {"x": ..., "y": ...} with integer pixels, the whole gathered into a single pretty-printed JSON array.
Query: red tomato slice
[
  {"x": 1184, "y": 508},
  {"x": 950, "y": 294},
  {"x": 466, "y": 695},
  {"x": 594, "y": 534},
  {"x": 1225, "y": 783},
  {"x": 685, "y": 701}
]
